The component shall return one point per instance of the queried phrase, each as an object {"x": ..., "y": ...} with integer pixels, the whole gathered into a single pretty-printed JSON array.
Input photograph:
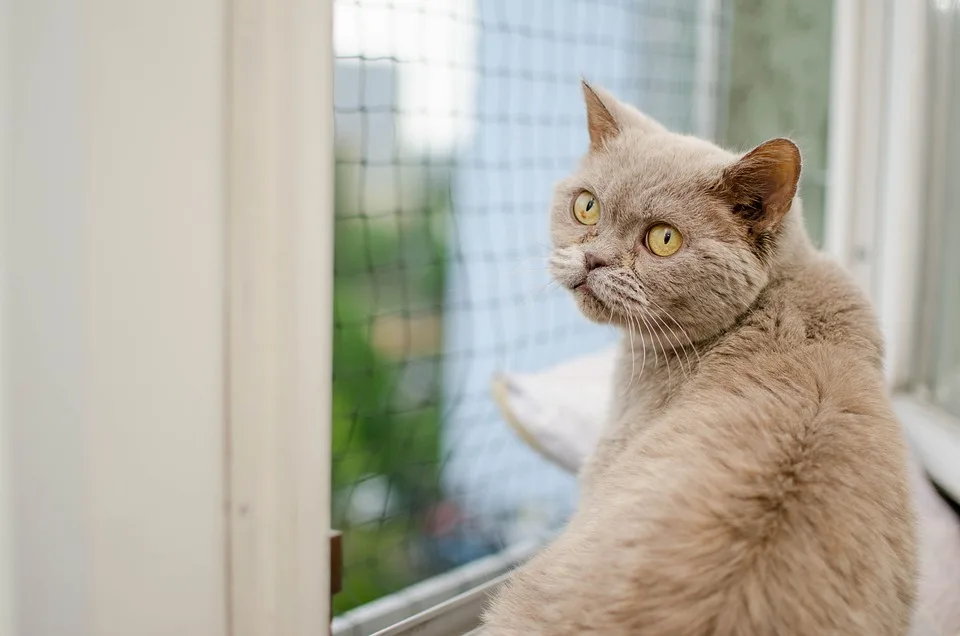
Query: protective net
[{"x": 454, "y": 118}]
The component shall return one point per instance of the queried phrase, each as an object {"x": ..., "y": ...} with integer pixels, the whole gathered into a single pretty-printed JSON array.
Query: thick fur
[{"x": 752, "y": 479}]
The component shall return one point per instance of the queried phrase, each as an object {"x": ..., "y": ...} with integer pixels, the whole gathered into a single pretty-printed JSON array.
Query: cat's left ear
[
  {"x": 761, "y": 185},
  {"x": 608, "y": 117}
]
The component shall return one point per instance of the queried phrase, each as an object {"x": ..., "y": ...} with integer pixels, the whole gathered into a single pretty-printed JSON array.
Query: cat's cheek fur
[
  {"x": 594, "y": 309},
  {"x": 567, "y": 266},
  {"x": 703, "y": 288}
]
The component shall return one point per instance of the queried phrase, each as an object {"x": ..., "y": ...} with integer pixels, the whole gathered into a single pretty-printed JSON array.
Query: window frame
[
  {"x": 166, "y": 267},
  {"x": 439, "y": 604},
  {"x": 886, "y": 130},
  {"x": 112, "y": 402},
  {"x": 279, "y": 288}
]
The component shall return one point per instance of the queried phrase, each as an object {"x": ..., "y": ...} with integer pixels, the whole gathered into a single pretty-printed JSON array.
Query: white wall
[{"x": 113, "y": 316}]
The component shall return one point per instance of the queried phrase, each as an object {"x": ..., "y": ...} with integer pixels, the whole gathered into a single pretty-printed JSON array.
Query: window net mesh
[{"x": 454, "y": 118}]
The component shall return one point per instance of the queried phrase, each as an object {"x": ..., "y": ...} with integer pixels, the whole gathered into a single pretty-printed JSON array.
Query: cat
[{"x": 752, "y": 479}]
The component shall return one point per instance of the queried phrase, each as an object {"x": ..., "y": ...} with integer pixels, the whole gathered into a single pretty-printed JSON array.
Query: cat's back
[
  {"x": 778, "y": 481},
  {"x": 783, "y": 496},
  {"x": 770, "y": 497},
  {"x": 782, "y": 474},
  {"x": 782, "y": 509}
]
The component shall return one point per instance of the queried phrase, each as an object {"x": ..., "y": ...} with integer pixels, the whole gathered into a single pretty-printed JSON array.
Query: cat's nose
[{"x": 593, "y": 261}]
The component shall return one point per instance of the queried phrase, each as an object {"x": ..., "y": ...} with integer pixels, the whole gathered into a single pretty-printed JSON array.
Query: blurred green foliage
[{"x": 388, "y": 298}]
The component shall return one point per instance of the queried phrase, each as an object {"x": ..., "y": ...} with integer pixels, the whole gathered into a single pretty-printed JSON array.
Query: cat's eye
[
  {"x": 586, "y": 208},
  {"x": 663, "y": 239}
]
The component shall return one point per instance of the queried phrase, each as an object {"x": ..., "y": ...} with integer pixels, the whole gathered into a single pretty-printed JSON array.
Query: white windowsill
[
  {"x": 935, "y": 436},
  {"x": 445, "y": 604}
]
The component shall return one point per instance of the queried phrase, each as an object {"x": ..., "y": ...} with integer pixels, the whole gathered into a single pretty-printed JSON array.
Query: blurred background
[{"x": 260, "y": 260}]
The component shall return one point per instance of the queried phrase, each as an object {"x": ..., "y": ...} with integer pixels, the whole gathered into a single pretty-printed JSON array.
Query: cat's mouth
[
  {"x": 595, "y": 301},
  {"x": 584, "y": 288},
  {"x": 591, "y": 305},
  {"x": 587, "y": 293}
]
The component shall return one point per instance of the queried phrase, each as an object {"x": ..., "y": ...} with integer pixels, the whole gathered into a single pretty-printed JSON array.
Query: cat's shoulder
[{"x": 818, "y": 303}]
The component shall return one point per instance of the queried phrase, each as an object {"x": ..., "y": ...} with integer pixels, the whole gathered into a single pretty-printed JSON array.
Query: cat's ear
[
  {"x": 761, "y": 184},
  {"x": 607, "y": 116}
]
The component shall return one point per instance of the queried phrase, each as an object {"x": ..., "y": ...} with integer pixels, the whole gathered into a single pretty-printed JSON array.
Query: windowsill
[
  {"x": 934, "y": 435},
  {"x": 445, "y": 604}
]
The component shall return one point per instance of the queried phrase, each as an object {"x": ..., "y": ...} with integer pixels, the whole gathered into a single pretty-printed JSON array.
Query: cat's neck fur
[{"x": 653, "y": 369}]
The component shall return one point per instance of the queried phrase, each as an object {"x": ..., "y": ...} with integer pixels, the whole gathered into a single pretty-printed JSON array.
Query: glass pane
[
  {"x": 454, "y": 119},
  {"x": 944, "y": 283},
  {"x": 780, "y": 85}
]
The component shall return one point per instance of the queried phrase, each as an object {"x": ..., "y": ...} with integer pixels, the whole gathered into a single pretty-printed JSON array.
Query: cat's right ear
[
  {"x": 607, "y": 116},
  {"x": 761, "y": 185}
]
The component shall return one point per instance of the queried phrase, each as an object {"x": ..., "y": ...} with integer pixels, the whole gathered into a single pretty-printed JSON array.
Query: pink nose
[{"x": 592, "y": 261}]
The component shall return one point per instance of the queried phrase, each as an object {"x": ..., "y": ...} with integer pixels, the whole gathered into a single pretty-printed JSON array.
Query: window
[
  {"x": 892, "y": 215},
  {"x": 939, "y": 360},
  {"x": 453, "y": 119},
  {"x": 779, "y": 74},
  {"x": 180, "y": 335}
]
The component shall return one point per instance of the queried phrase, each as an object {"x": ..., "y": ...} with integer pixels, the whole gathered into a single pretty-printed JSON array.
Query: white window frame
[
  {"x": 112, "y": 313},
  {"x": 280, "y": 315},
  {"x": 166, "y": 348},
  {"x": 449, "y": 603},
  {"x": 7, "y": 575},
  {"x": 881, "y": 138}
]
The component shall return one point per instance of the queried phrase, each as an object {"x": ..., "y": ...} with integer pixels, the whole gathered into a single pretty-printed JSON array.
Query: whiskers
[
  {"x": 532, "y": 296},
  {"x": 631, "y": 321},
  {"x": 683, "y": 331},
  {"x": 645, "y": 315},
  {"x": 633, "y": 353},
  {"x": 663, "y": 338}
]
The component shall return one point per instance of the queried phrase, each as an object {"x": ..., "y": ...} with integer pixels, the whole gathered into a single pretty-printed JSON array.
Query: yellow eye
[
  {"x": 586, "y": 208},
  {"x": 664, "y": 239}
]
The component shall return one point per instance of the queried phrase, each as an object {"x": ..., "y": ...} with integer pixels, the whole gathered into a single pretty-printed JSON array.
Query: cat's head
[{"x": 663, "y": 232}]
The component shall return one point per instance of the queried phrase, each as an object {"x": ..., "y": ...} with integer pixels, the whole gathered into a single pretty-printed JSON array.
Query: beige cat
[{"x": 752, "y": 480}]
